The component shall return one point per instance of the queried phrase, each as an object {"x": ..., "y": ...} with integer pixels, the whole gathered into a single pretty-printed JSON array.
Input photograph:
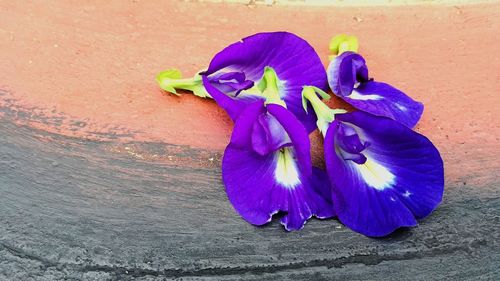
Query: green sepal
[
  {"x": 304, "y": 102},
  {"x": 269, "y": 86},
  {"x": 167, "y": 75},
  {"x": 324, "y": 95},
  {"x": 343, "y": 43},
  {"x": 261, "y": 86},
  {"x": 200, "y": 91},
  {"x": 324, "y": 114},
  {"x": 170, "y": 80}
]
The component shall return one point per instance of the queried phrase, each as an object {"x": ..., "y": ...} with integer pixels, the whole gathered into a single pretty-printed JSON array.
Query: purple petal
[
  {"x": 255, "y": 192},
  {"x": 260, "y": 185},
  {"x": 294, "y": 60},
  {"x": 322, "y": 186},
  {"x": 228, "y": 76},
  {"x": 348, "y": 79},
  {"x": 349, "y": 140},
  {"x": 345, "y": 71},
  {"x": 238, "y": 87},
  {"x": 384, "y": 100},
  {"x": 317, "y": 203},
  {"x": 232, "y": 82},
  {"x": 297, "y": 133},
  {"x": 232, "y": 106},
  {"x": 242, "y": 134},
  {"x": 402, "y": 179},
  {"x": 268, "y": 135}
]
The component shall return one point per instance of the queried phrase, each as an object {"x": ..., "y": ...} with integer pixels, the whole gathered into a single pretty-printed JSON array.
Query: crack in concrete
[
  {"x": 365, "y": 259},
  {"x": 25, "y": 255}
]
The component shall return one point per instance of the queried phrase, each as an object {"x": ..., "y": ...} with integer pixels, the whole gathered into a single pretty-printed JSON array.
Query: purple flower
[
  {"x": 348, "y": 79},
  {"x": 238, "y": 71},
  {"x": 267, "y": 165},
  {"x": 384, "y": 175},
  {"x": 267, "y": 168}
]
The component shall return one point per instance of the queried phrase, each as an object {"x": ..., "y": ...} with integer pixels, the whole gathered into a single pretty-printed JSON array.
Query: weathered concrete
[
  {"x": 104, "y": 177},
  {"x": 75, "y": 209}
]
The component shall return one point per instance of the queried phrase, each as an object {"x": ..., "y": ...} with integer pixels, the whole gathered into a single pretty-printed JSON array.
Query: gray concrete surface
[{"x": 72, "y": 209}]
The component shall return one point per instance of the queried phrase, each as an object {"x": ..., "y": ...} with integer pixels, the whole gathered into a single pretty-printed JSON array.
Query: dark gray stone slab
[{"x": 72, "y": 209}]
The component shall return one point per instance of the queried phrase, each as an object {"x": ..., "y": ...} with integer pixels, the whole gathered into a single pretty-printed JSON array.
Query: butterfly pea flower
[
  {"x": 267, "y": 167},
  {"x": 238, "y": 69},
  {"x": 384, "y": 175},
  {"x": 348, "y": 78}
]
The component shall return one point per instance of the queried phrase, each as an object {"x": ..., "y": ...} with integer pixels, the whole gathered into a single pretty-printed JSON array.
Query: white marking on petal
[
  {"x": 357, "y": 96},
  {"x": 286, "y": 172},
  {"x": 283, "y": 90},
  {"x": 407, "y": 194},
  {"x": 375, "y": 175},
  {"x": 402, "y": 108}
]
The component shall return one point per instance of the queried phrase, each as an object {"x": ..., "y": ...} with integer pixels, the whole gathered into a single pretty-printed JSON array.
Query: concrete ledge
[
  {"x": 348, "y": 3},
  {"x": 101, "y": 180}
]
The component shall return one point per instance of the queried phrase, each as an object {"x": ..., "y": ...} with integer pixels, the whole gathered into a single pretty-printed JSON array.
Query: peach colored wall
[{"x": 95, "y": 62}]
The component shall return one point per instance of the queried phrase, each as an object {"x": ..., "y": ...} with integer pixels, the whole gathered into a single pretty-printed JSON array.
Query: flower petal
[
  {"x": 382, "y": 99},
  {"x": 268, "y": 135},
  {"x": 348, "y": 79},
  {"x": 402, "y": 179},
  {"x": 294, "y": 60},
  {"x": 229, "y": 76},
  {"x": 260, "y": 185},
  {"x": 345, "y": 71},
  {"x": 322, "y": 186},
  {"x": 257, "y": 192},
  {"x": 304, "y": 204},
  {"x": 231, "y": 105},
  {"x": 297, "y": 133}
]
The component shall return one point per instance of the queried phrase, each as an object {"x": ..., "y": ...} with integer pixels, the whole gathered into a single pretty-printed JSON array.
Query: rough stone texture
[
  {"x": 104, "y": 178},
  {"x": 73, "y": 209}
]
